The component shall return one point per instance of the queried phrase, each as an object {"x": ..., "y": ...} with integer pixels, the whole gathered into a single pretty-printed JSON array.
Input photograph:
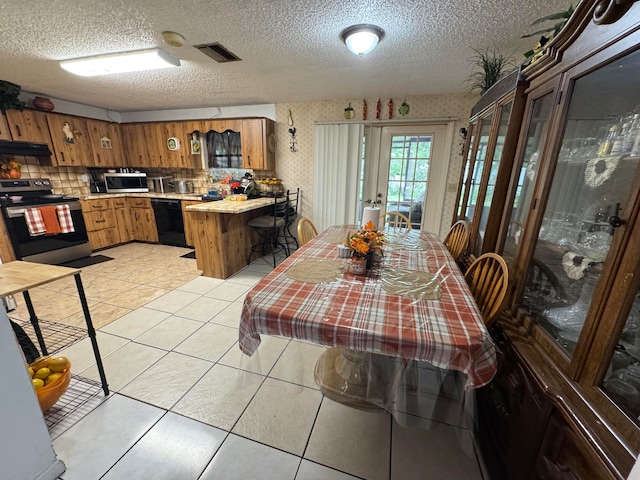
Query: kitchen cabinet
[
  {"x": 28, "y": 126},
  {"x": 188, "y": 227},
  {"x": 258, "y": 144},
  {"x": 222, "y": 125},
  {"x": 70, "y": 140},
  {"x": 123, "y": 219},
  {"x": 5, "y": 134},
  {"x": 570, "y": 232},
  {"x": 175, "y": 154},
  {"x": 106, "y": 144},
  {"x": 143, "y": 220},
  {"x": 135, "y": 146},
  {"x": 100, "y": 220},
  {"x": 488, "y": 157}
]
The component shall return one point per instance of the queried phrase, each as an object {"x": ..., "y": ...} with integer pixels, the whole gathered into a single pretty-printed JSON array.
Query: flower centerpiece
[
  {"x": 364, "y": 243},
  {"x": 9, "y": 168}
]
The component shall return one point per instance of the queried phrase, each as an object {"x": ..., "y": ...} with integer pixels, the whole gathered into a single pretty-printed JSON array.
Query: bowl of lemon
[{"x": 50, "y": 377}]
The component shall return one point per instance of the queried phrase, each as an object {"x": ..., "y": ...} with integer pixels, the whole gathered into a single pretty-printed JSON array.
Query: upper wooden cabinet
[
  {"x": 570, "y": 232},
  {"x": 174, "y": 141},
  {"x": 70, "y": 140},
  {"x": 28, "y": 126},
  {"x": 258, "y": 144},
  {"x": 106, "y": 143},
  {"x": 135, "y": 145},
  {"x": 221, "y": 125},
  {"x": 5, "y": 134}
]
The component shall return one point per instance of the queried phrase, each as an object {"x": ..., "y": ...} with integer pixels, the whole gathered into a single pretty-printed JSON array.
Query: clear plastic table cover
[{"x": 417, "y": 355}]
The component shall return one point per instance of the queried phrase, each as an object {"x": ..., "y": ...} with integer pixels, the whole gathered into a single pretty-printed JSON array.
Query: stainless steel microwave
[{"x": 126, "y": 182}]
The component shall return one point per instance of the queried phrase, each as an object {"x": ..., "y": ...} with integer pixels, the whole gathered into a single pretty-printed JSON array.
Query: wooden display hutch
[{"x": 565, "y": 403}]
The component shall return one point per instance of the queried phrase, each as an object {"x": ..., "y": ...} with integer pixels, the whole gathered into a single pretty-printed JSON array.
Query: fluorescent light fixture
[
  {"x": 120, "y": 62},
  {"x": 361, "y": 39}
]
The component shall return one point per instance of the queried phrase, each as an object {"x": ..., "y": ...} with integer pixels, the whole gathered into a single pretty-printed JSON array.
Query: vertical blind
[{"x": 336, "y": 161}]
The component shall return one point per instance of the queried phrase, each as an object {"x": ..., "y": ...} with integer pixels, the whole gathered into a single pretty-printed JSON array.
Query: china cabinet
[
  {"x": 569, "y": 380},
  {"x": 488, "y": 157}
]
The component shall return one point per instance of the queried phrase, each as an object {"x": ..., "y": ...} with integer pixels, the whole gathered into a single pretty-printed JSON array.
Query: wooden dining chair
[
  {"x": 488, "y": 280},
  {"x": 306, "y": 230},
  {"x": 396, "y": 221},
  {"x": 457, "y": 240}
]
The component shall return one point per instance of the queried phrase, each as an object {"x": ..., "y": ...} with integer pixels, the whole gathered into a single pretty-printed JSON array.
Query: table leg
[
  {"x": 92, "y": 333},
  {"x": 34, "y": 322}
]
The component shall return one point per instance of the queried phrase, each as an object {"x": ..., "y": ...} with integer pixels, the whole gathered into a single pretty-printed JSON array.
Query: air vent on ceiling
[{"x": 217, "y": 52}]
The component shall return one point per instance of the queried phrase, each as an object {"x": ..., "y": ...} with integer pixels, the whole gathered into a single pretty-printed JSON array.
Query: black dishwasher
[{"x": 168, "y": 213}]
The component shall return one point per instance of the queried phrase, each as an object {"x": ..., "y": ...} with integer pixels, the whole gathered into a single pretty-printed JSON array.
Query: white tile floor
[{"x": 187, "y": 404}]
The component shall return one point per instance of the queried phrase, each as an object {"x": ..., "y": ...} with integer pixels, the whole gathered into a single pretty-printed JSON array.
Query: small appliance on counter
[
  {"x": 247, "y": 186},
  {"x": 97, "y": 184},
  {"x": 161, "y": 184},
  {"x": 182, "y": 186},
  {"x": 126, "y": 182}
]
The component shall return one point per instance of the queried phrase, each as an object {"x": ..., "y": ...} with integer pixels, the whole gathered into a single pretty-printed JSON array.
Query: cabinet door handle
[
  {"x": 615, "y": 221},
  {"x": 98, "y": 155},
  {"x": 101, "y": 221},
  {"x": 62, "y": 157},
  {"x": 97, "y": 206},
  {"x": 19, "y": 131}
]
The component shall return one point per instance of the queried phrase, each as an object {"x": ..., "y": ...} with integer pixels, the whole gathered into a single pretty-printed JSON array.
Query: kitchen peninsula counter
[{"x": 222, "y": 236}]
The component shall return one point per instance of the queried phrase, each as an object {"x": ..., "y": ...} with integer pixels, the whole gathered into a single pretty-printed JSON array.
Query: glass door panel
[
  {"x": 594, "y": 178},
  {"x": 536, "y": 135},
  {"x": 464, "y": 191},
  {"x": 505, "y": 112},
  {"x": 478, "y": 165}
]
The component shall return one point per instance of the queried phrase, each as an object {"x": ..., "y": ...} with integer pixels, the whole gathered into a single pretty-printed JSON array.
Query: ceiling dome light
[{"x": 361, "y": 39}]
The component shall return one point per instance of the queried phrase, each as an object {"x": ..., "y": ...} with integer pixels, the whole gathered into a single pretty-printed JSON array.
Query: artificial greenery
[
  {"x": 9, "y": 96},
  {"x": 562, "y": 16},
  {"x": 488, "y": 66}
]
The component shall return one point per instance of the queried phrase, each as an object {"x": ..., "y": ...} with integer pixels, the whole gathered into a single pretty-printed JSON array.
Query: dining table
[{"x": 403, "y": 329}]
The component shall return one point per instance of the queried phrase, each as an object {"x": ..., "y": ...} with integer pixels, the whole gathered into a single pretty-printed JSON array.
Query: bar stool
[
  {"x": 291, "y": 215},
  {"x": 269, "y": 227}
]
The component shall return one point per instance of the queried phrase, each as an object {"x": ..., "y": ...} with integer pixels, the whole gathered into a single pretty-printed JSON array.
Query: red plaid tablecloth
[{"x": 354, "y": 312}]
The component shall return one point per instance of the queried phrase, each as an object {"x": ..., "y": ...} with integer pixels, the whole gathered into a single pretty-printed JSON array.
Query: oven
[{"x": 16, "y": 196}]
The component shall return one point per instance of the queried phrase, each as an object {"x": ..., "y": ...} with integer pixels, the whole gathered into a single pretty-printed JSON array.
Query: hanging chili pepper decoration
[
  {"x": 378, "y": 108},
  {"x": 390, "y": 109},
  {"x": 364, "y": 109}
]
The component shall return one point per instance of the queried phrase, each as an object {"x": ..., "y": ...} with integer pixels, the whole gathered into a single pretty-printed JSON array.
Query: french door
[{"x": 405, "y": 170}]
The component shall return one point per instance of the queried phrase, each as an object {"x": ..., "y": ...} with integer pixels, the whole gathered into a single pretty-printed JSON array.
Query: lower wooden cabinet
[
  {"x": 186, "y": 217},
  {"x": 143, "y": 220},
  {"x": 100, "y": 220},
  {"x": 123, "y": 219}
]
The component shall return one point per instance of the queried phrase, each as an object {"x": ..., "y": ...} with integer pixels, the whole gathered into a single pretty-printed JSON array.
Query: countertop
[
  {"x": 172, "y": 195},
  {"x": 226, "y": 206}
]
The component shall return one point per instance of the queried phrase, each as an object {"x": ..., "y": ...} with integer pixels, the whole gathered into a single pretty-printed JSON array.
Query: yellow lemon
[
  {"x": 42, "y": 373},
  {"x": 31, "y": 372},
  {"x": 52, "y": 378},
  {"x": 58, "y": 364},
  {"x": 40, "y": 363},
  {"x": 37, "y": 383}
]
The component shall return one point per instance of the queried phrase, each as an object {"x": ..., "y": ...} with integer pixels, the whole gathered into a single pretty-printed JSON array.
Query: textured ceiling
[{"x": 290, "y": 50}]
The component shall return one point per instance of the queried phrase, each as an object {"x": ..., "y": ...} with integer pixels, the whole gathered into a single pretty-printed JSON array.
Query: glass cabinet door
[
  {"x": 474, "y": 182},
  {"x": 482, "y": 213},
  {"x": 539, "y": 116},
  {"x": 595, "y": 177},
  {"x": 465, "y": 180}
]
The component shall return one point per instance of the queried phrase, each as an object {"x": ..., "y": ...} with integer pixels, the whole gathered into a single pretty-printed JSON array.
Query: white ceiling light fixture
[
  {"x": 361, "y": 39},
  {"x": 173, "y": 39},
  {"x": 134, "y": 61}
]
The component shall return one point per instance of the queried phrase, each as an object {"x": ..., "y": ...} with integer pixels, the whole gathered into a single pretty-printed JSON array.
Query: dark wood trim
[{"x": 504, "y": 86}]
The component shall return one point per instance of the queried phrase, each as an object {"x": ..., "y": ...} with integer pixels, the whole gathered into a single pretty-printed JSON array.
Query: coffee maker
[
  {"x": 97, "y": 184},
  {"x": 248, "y": 186}
]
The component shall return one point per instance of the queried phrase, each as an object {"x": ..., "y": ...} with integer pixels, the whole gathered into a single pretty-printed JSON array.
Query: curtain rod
[{"x": 393, "y": 122}]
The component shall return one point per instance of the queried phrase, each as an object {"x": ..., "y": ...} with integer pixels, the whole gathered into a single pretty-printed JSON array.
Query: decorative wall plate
[{"x": 173, "y": 144}]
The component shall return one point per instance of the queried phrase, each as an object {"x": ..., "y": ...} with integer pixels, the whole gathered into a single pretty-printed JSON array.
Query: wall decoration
[
  {"x": 68, "y": 134},
  {"x": 173, "y": 144},
  {"x": 289, "y": 118},
  {"x": 378, "y": 108},
  {"x": 105, "y": 142},
  {"x": 364, "y": 109},
  {"x": 349, "y": 112},
  {"x": 390, "y": 105},
  {"x": 292, "y": 140},
  {"x": 463, "y": 139},
  {"x": 195, "y": 146},
  {"x": 404, "y": 108}
]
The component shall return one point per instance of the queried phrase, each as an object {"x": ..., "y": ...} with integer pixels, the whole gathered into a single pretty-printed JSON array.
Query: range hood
[{"x": 26, "y": 149}]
